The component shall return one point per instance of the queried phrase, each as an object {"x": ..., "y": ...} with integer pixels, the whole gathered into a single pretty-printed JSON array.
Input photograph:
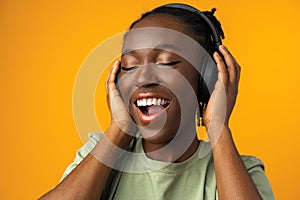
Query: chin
[{"x": 153, "y": 136}]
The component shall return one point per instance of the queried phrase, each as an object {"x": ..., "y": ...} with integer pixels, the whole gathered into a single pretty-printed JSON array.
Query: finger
[
  {"x": 231, "y": 63},
  {"x": 238, "y": 74},
  {"x": 223, "y": 73},
  {"x": 110, "y": 81}
]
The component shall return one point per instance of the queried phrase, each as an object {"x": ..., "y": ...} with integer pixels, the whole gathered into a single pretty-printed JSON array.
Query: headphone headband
[{"x": 216, "y": 39}]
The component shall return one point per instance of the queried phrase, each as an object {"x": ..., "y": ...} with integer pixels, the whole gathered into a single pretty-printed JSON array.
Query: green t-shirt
[{"x": 191, "y": 179}]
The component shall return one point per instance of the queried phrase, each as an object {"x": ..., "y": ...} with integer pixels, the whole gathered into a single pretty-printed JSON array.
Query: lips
[{"x": 150, "y": 107}]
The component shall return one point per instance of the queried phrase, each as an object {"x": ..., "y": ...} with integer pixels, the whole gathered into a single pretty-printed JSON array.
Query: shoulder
[
  {"x": 252, "y": 162},
  {"x": 90, "y": 144},
  {"x": 83, "y": 152},
  {"x": 256, "y": 169}
]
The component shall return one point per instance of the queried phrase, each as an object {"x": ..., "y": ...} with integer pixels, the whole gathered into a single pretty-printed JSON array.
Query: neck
[{"x": 179, "y": 149}]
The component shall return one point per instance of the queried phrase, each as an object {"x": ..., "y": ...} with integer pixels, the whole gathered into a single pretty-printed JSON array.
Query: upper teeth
[{"x": 152, "y": 101}]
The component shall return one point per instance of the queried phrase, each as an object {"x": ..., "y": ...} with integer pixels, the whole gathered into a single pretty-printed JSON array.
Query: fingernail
[
  {"x": 217, "y": 54},
  {"x": 223, "y": 47}
]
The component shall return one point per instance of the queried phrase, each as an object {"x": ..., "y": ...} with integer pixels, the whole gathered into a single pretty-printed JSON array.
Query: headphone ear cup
[{"x": 207, "y": 78}]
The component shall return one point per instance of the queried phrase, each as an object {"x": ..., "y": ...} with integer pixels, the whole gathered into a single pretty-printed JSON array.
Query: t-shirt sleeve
[
  {"x": 256, "y": 168},
  {"x": 83, "y": 152}
]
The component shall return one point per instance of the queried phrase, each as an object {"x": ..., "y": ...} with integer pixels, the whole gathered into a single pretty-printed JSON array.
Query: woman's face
[{"x": 158, "y": 85}]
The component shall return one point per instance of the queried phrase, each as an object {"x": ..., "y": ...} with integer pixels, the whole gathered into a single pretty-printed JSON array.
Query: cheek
[
  {"x": 183, "y": 82},
  {"x": 125, "y": 85},
  {"x": 192, "y": 76},
  {"x": 184, "y": 88}
]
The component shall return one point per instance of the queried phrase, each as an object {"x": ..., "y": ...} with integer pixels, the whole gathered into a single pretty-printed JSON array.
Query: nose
[{"x": 147, "y": 76}]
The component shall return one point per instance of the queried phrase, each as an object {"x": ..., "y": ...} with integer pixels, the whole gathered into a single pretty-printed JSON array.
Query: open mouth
[{"x": 151, "y": 106}]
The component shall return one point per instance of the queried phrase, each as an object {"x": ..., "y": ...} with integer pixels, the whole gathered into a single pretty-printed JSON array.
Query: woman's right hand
[{"x": 120, "y": 117}]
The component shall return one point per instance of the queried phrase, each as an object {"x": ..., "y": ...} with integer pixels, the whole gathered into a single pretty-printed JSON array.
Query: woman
[{"x": 158, "y": 93}]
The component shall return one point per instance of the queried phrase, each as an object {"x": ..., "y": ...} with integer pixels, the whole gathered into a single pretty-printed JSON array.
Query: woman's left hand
[{"x": 223, "y": 98}]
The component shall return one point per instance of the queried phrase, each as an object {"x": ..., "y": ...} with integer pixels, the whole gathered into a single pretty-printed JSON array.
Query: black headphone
[{"x": 209, "y": 72}]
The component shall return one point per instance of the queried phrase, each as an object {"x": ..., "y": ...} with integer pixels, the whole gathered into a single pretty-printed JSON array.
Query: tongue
[{"x": 154, "y": 109}]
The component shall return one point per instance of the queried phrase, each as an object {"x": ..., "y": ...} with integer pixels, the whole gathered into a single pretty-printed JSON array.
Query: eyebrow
[{"x": 156, "y": 48}]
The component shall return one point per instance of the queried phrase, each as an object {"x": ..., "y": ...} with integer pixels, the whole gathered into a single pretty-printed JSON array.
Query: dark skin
[
  {"x": 233, "y": 181},
  {"x": 151, "y": 80},
  {"x": 155, "y": 83}
]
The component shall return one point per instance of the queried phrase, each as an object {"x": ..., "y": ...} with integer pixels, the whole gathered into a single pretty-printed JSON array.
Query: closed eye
[
  {"x": 159, "y": 64},
  {"x": 169, "y": 63},
  {"x": 128, "y": 68}
]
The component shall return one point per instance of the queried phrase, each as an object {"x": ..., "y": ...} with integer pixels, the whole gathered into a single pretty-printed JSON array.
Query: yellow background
[{"x": 43, "y": 43}]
